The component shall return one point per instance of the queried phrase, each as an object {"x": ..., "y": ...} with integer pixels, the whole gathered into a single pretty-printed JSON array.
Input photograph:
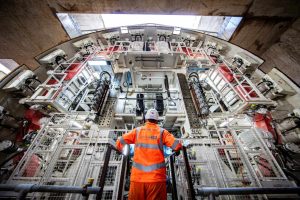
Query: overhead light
[
  {"x": 4, "y": 69},
  {"x": 97, "y": 62},
  {"x": 75, "y": 124},
  {"x": 124, "y": 30},
  {"x": 176, "y": 30},
  {"x": 226, "y": 123}
]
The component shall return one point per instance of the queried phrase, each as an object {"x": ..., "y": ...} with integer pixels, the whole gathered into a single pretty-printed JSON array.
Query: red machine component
[
  {"x": 187, "y": 51},
  {"x": 264, "y": 166},
  {"x": 33, "y": 117},
  {"x": 263, "y": 121},
  {"x": 32, "y": 166},
  {"x": 113, "y": 49},
  {"x": 72, "y": 70},
  {"x": 245, "y": 91},
  {"x": 52, "y": 82},
  {"x": 213, "y": 58},
  {"x": 223, "y": 69}
]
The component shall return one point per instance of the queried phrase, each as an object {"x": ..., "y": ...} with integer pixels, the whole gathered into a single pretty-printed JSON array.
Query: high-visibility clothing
[
  {"x": 148, "y": 191},
  {"x": 148, "y": 159}
]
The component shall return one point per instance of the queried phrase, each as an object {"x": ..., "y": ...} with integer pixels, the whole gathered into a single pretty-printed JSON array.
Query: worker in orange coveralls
[{"x": 148, "y": 174}]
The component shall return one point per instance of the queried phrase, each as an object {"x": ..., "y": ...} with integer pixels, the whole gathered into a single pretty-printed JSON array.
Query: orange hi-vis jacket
[{"x": 148, "y": 159}]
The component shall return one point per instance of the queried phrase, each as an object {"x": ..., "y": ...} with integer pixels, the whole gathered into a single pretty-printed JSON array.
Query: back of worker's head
[{"x": 152, "y": 115}]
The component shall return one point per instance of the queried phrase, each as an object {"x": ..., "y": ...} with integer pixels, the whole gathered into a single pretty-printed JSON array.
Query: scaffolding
[
  {"x": 157, "y": 47},
  {"x": 67, "y": 151},
  {"x": 65, "y": 83},
  {"x": 236, "y": 90},
  {"x": 230, "y": 153}
]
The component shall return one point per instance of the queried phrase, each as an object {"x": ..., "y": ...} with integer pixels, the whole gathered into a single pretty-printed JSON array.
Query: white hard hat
[{"x": 152, "y": 114}]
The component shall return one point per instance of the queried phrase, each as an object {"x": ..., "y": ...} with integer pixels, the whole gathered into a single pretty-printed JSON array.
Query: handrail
[
  {"x": 212, "y": 192},
  {"x": 188, "y": 173},
  {"x": 191, "y": 190},
  {"x": 174, "y": 187},
  {"x": 24, "y": 189},
  {"x": 123, "y": 172},
  {"x": 105, "y": 168},
  {"x": 103, "y": 172}
]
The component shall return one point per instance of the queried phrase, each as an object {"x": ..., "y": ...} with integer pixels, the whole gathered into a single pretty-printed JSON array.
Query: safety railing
[
  {"x": 213, "y": 192},
  {"x": 191, "y": 191},
  {"x": 158, "y": 47},
  {"x": 64, "y": 84},
  {"x": 105, "y": 169},
  {"x": 22, "y": 190},
  {"x": 210, "y": 192},
  {"x": 86, "y": 190},
  {"x": 236, "y": 90}
]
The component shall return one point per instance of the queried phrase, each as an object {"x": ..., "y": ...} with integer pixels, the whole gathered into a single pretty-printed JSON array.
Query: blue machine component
[{"x": 128, "y": 79}]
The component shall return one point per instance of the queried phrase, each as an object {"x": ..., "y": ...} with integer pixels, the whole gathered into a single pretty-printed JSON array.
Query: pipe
[
  {"x": 146, "y": 99},
  {"x": 154, "y": 92},
  {"x": 132, "y": 115},
  {"x": 166, "y": 81},
  {"x": 207, "y": 191},
  {"x": 23, "y": 189}
]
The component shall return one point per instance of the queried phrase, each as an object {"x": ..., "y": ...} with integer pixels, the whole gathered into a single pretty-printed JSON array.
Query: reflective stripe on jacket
[{"x": 148, "y": 159}]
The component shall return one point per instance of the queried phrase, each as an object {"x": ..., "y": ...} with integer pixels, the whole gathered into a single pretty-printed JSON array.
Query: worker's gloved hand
[
  {"x": 185, "y": 143},
  {"x": 176, "y": 153},
  {"x": 126, "y": 150}
]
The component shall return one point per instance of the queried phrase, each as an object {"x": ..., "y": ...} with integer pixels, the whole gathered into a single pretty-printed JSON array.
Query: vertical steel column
[
  {"x": 123, "y": 174},
  {"x": 103, "y": 172},
  {"x": 188, "y": 174},
  {"x": 174, "y": 188},
  {"x": 89, "y": 184}
]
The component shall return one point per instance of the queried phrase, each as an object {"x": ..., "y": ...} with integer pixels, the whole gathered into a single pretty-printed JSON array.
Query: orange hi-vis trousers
[{"x": 148, "y": 191}]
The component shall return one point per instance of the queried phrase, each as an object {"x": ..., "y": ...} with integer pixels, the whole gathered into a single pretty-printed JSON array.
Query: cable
[
  {"x": 276, "y": 133},
  {"x": 265, "y": 81},
  {"x": 290, "y": 174},
  {"x": 138, "y": 35},
  {"x": 58, "y": 58},
  {"x": 33, "y": 78},
  {"x": 127, "y": 79},
  {"x": 164, "y": 37},
  {"x": 30, "y": 88},
  {"x": 194, "y": 73},
  {"x": 125, "y": 85},
  {"x": 11, "y": 157},
  {"x": 290, "y": 118},
  {"x": 102, "y": 74},
  {"x": 269, "y": 84}
]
